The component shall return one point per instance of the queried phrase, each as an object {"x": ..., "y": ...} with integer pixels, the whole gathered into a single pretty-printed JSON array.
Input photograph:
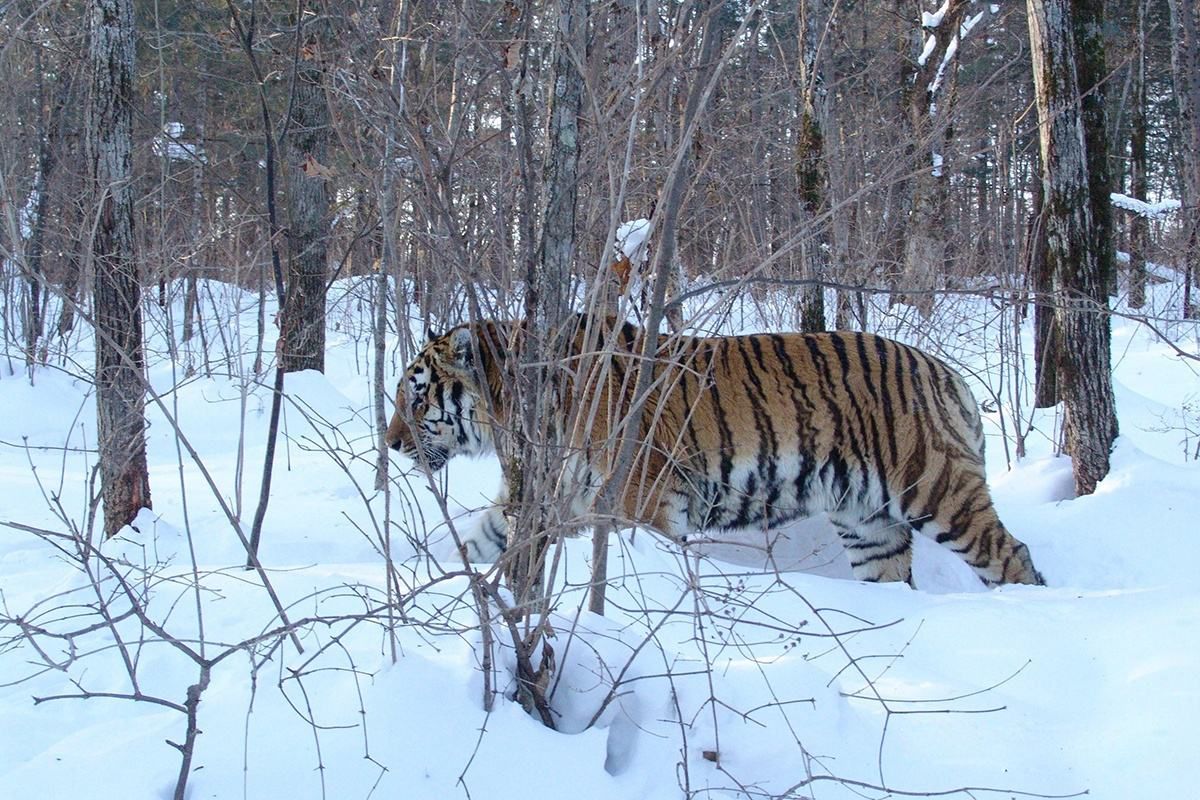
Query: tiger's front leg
[{"x": 487, "y": 539}]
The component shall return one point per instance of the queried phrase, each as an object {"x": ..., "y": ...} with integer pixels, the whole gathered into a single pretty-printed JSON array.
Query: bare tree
[
  {"x": 1084, "y": 369},
  {"x": 120, "y": 362}
]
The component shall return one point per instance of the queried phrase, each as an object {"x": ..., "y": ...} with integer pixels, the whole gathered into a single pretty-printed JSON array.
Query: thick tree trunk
[
  {"x": 302, "y": 321},
  {"x": 1084, "y": 368},
  {"x": 1092, "y": 72},
  {"x": 120, "y": 362}
]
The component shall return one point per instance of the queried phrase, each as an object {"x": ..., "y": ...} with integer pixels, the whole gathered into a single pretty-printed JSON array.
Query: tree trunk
[
  {"x": 1084, "y": 369},
  {"x": 191, "y": 294},
  {"x": 1139, "y": 185},
  {"x": 1090, "y": 66},
  {"x": 928, "y": 118},
  {"x": 302, "y": 321},
  {"x": 34, "y": 274},
  {"x": 531, "y": 471},
  {"x": 812, "y": 170},
  {"x": 1045, "y": 327},
  {"x": 899, "y": 196},
  {"x": 120, "y": 362},
  {"x": 1185, "y": 61},
  {"x": 389, "y": 268}
]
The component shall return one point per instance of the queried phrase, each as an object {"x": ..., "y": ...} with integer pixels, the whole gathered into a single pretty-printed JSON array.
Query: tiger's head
[{"x": 440, "y": 412}]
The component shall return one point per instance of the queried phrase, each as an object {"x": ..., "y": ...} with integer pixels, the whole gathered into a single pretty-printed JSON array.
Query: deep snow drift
[{"x": 737, "y": 677}]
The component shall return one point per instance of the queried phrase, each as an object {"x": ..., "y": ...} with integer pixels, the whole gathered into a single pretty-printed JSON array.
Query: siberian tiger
[{"x": 741, "y": 432}]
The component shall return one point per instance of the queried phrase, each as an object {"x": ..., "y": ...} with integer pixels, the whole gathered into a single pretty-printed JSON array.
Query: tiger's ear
[
  {"x": 430, "y": 334},
  {"x": 460, "y": 344}
]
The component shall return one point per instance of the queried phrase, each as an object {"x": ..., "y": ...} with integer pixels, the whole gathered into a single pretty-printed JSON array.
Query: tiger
[{"x": 749, "y": 431}]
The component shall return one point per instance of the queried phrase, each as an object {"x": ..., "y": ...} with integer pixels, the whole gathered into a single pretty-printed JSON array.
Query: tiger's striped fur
[{"x": 747, "y": 431}]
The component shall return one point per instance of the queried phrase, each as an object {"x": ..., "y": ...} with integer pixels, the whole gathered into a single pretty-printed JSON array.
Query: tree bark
[
  {"x": 925, "y": 243},
  {"x": 531, "y": 468},
  {"x": 1045, "y": 326},
  {"x": 302, "y": 320},
  {"x": 47, "y": 135},
  {"x": 1139, "y": 185},
  {"x": 1084, "y": 368},
  {"x": 1185, "y": 62},
  {"x": 812, "y": 169},
  {"x": 1092, "y": 71},
  {"x": 387, "y": 194},
  {"x": 899, "y": 197},
  {"x": 120, "y": 361}
]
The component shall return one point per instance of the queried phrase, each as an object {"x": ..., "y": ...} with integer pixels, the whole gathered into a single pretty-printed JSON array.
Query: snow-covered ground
[{"x": 710, "y": 678}]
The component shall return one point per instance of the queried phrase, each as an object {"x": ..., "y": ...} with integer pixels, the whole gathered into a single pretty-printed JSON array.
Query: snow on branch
[
  {"x": 964, "y": 30},
  {"x": 930, "y": 44},
  {"x": 631, "y": 239},
  {"x": 1142, "y": 208},
  {"x": 175, "y": 147},
  {"x": 932, "y": 20}
]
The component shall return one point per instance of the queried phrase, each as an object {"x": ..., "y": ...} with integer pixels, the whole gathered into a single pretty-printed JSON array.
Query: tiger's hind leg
[
  {"x": 880, "y": 548},
  {"x": 966, "y": 523},
  {"x": 981, "y": 540}
]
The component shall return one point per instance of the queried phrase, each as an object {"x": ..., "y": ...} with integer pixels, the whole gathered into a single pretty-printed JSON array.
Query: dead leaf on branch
[{"x": 315, "y": 169}]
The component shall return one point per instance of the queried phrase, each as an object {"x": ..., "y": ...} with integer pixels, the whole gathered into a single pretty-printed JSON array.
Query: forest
[{"x": 226, "y": 227}]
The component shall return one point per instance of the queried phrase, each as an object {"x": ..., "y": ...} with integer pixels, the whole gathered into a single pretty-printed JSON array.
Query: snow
[
  {"x": 632, "y": 242},
  {"x": 964, "y": 29},
  {"x": 28, "y": 215},
  {"x": 970, "y": 23},
  {"x": 934, "y": 19},
  {"x": 631, "y": 239},
  {"x": 175, "y": 147},
  {"x": 730, "y": 680},
  {"x": 927, "y": 50},
  {"x": 1142, "y": 208}
]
